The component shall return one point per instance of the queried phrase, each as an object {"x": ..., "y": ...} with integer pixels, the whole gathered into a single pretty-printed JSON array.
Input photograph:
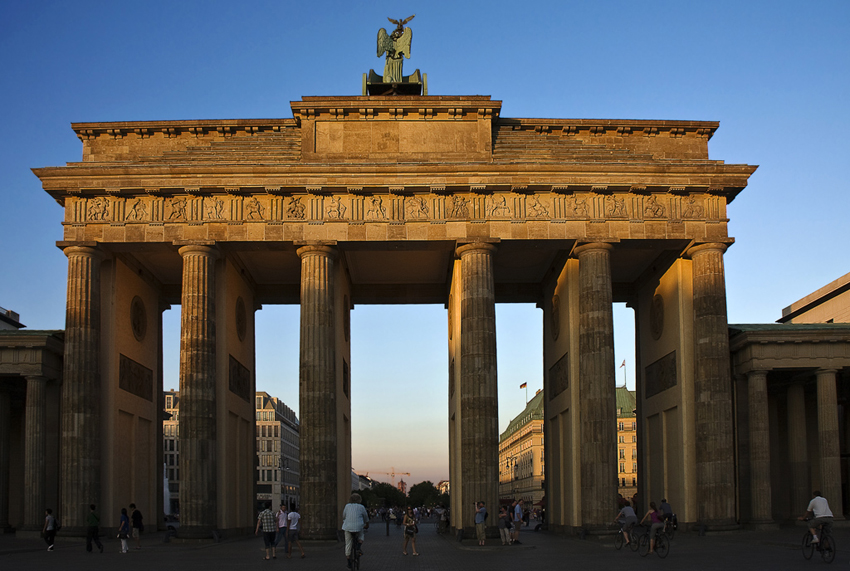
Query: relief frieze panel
[{"x": 393, "y": 208}]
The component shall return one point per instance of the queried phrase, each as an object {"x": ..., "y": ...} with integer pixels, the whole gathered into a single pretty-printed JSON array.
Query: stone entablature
[{"x": 789, "y": 346}]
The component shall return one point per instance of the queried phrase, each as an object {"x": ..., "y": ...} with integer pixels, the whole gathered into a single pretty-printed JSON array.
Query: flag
[
  {"x": 522, "y": 386},
  {"x": 624, "y": 364}
]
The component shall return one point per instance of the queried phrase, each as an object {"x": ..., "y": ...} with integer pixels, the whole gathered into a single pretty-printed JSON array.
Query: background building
[
  {"x": 626, "y": 442},
  {"x": 278, "y": 471},
  {"x": 277, "y": 450},
  {"x": 521, "y": 455}
]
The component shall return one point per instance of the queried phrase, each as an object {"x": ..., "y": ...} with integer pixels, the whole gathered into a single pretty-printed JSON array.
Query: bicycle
[
  {"x": 662, "y": 544},
  {"x": 826, "y": 545},
  {"x": 634, "y": 538},
  {"x": 670, "y": 527},
  {"x": 354, "y": 556}
]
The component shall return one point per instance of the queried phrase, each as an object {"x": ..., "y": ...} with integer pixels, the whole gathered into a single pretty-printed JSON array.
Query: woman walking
[
  {"x": 124, "y": 530},
  {"x": 410, "y": 529}
]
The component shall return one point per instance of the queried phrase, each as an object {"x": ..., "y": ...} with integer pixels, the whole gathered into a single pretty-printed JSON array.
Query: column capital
[
  {"x": 591, "y": 246},
  {"x": 91, "y": 251},
  {"x": 317, "y": 250},
  {"x": 208, "y": 249},
  {"x": 707, "y": 247},
  {"x": 472, "y": 246},
  {"x": 826, "y": 371}
]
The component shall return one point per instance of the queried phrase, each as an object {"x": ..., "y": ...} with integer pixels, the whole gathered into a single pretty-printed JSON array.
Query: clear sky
[{"x": 775, "y": 74}]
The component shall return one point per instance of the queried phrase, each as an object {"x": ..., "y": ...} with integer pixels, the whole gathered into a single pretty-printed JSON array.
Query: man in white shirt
[
  {"x": 355, "y": 519},
  {"x": 819, "y": 510}
]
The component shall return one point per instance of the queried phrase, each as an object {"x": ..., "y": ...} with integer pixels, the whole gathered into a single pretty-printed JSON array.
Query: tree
[
  {"x": 382, "y": 495},
  {"x": 423, "y": 494}
]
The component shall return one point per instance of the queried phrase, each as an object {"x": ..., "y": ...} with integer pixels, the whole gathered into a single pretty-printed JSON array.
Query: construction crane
[{"x": 392, "y": 474}]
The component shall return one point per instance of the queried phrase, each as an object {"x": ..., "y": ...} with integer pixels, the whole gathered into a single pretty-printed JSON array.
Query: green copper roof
[
  {"x": 533, "y": 411},
  {"x": 625, "y": 402}
]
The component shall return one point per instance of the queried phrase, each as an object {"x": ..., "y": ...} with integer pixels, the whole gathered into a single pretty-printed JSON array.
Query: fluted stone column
[
  {"x": 318, "y": 406},
  {"x": 797, "y": 449},
  {"x": 830, "y": 454},
  {"x": 197, "y": 421},
  {"x": 80, "y": 462},
  {"x": 714, "y": 422},
  {"x": 479, "y": 421},
  {"x": 35, "y": 441},
  {"x": 5, "y": 443},
  {"x": 597, "y": 386},
  {"x": 759, "y": 449}
]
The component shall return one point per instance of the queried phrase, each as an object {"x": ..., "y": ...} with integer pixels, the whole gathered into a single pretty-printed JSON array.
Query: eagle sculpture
[{"x": 396, "y": 46}]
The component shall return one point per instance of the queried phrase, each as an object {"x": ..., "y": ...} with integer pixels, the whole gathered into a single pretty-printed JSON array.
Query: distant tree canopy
[
  {"x": 382, "y": 495},
  {"x": 423, "y": 494}
]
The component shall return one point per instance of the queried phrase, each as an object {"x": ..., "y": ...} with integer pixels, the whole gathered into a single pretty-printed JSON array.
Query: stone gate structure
[{"x": 394, "y": 199}]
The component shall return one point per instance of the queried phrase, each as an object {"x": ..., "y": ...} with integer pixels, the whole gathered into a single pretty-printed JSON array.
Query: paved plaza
[{"x": 539, "y": 551}]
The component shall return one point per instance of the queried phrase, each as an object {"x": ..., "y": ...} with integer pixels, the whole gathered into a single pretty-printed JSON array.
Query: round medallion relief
[
  {"x": 138, "y": 318},
  {"x": 241, "y": 319},
  {"x": 555, "y": 318},
  {"x": 656, "y": 317}
]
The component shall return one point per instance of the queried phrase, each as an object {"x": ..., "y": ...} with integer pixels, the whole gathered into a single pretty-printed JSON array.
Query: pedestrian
[
  {"x": 93, "y": 530},
  {"x": 267, "y": 521},
  {"x": 281, "y": 526},
  {"x": 124, "y": 530},
  {"x": 480, "y": 519},
  {"x": 49, "y": 528},
  {"x": 503, "y": 525},
  {"x": 410, "y": 530},
  {"x": 292, "y": 533},
  {"x": 137, "y": 525},
  {"x": 517, "y": 522}
]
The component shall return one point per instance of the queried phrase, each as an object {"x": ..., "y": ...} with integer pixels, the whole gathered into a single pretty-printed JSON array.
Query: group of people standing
[
  {"x": 510, "y": 522},
  {"x": 128, "y": 526},
  {"x": 280, "y": 525}
]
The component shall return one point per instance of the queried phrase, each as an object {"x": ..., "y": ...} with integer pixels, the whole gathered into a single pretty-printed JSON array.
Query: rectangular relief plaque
[
  {"x": 559, "y": 376},
  {"x": 661, "y": 375},
  {"x": 239, "y": 380},
  {"x": 135, "y": 378}
]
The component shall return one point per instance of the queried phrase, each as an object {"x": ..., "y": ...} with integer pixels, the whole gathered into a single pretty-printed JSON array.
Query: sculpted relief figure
[
  {"x": 138, "y": 211},
  {"x": 579, "y": 207},
  {"x": 295, "y": 209},
  {"x": 615, "y": 207},
  {"x": 416, "y": 208},
  {"x": 98, "y": 208},
  {"x": 460, "y": 207},
  {"x": 214, "y": 207},
  {"x": 692, "y": 210},
  {"x": 254, "y": 209},
  {"x": 653, "y": 209},
  {"x": 178, "y": 209},
  {"x": 536, "y": 208},
  {"x": 499, "y": 206},
  {"x": 336, "y": 209},
  {"x": 376, "y": 208},
  {"x": 396, "y": 46}
]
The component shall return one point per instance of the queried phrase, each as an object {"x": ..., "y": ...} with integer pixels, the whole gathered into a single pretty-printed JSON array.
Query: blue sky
[{"x": 775, "y": 74}]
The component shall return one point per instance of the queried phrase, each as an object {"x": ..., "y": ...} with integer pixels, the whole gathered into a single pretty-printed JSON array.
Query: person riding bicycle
[
  {"x": 627, "y": 513},
  {"x": 819, "y": 508},
  {"x": 656, "y": 516},
  {"x": 355, "y": 519}
]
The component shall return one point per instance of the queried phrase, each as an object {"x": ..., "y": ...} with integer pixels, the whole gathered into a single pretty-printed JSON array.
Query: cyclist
[
  {"x": 629, "y": 519},
  {"x": 355, "y": 519},
  {"x": 819, "y": 508},
  {"x": 656, "y": 516}
]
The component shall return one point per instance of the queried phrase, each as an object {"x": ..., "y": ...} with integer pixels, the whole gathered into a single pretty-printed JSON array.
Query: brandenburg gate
[{"x": 393, "y": 199}]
